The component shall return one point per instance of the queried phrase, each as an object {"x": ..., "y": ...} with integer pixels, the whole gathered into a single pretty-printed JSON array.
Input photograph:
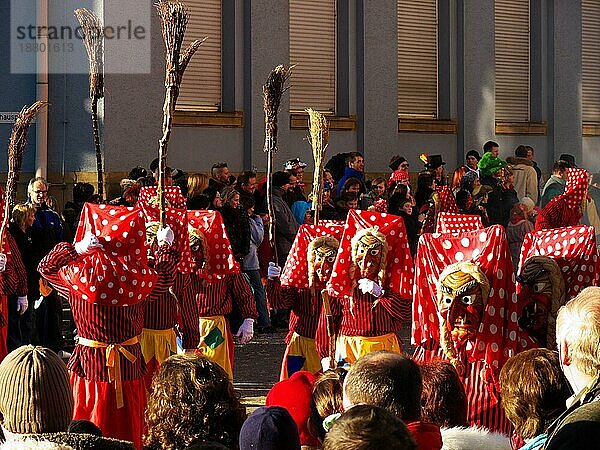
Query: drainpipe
[{"x": 41, "y": 128}]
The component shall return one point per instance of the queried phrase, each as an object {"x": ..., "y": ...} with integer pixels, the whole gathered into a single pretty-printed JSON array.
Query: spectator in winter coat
[
  {"x": 286, "y": 226},
  {"x": 525, "y": 175},
  {"x": 355, "y": 168},
  {"x": 555, "y": 185}
]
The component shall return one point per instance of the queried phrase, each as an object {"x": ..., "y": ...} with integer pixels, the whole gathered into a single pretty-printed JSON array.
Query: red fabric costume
[
  {"x": 107, "y": 290},
  {"x": 294, "y": 292},
  {"x": 358, "y": 314},
  {"x": 497, "y": 337},
  {"x": 565, "y": 210},
  {"x": 458, "y": 223}
]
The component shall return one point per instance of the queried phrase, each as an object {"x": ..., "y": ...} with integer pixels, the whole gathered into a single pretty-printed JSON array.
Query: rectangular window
[
  {"x": 312, "y": 48},
  {"x": 417, "y": 58},
  {"x": 512, "y": 60},
  {"x": 201, "y": 85},
  {"x": 590, "y": 60}
]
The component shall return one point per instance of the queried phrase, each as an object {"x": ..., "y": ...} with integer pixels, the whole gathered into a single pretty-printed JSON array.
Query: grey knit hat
[{"x": 35, "y": 393}]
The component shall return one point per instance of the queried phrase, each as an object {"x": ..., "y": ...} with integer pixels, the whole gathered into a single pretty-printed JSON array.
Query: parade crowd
[{"x": 494, "y": 266}]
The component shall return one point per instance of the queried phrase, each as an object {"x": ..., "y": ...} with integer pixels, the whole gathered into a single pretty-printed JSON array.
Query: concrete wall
[{"x": 132, "y": 110}]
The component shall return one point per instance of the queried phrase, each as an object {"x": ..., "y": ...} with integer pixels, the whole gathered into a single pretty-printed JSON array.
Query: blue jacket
[{"x": 349, "y": 173}]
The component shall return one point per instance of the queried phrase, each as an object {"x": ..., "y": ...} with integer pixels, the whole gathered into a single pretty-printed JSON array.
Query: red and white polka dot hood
[
  {"x": 566, "y": 209},
  {"x": 399, "y": 265},
  {"x": 119, "y": 275},
  {"x": 458, "y": 223},
  {"x": 447, "y": 200},
  {"x": 295, "y": 272},
  {"x": 220, "y": 260},
  {"x": 176, "y": 218},
  {"x": 499, "y": 336},
  {"x": 575, "y": 251}
]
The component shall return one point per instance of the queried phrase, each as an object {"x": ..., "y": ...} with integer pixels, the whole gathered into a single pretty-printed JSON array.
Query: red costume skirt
[{"x": 96, "y": 401}]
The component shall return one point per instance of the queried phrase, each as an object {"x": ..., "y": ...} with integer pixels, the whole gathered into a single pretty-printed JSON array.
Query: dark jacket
[
  {"x": 579, "y": 426},
  {"x": 351, "y": 173},
  {"x": 412, "y": 231},
  {"x": 500, "y": 203},
  {"x": 26, "y": 249},
  {"x": 238, "y": 230},
  {"x": 285, "y": 226}
]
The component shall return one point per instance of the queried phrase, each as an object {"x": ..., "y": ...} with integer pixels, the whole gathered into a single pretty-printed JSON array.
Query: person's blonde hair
[
  {"x": 20, "y": 213},
  {"x": 196, "y": 183},
  {"x": 578, "y": 325}
]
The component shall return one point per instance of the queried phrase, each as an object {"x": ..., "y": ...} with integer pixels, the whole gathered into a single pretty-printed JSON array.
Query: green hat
[{"x": 488, "y": 164}]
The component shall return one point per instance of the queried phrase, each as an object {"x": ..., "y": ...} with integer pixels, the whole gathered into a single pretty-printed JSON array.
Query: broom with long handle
[
  {"x": 94, "y": 45},
  {"x": 174, "y": 19},
  {"x": 319, "y": 139},
  {"x": 273, "y": 90},
  {"x": 16, "y": 149}
]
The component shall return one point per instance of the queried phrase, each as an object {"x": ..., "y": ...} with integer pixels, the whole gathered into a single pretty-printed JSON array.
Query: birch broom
[
  {"x": 174, "y": 19},
  {"x": 94, "y": 45},
  {"x": 319, "y": 139},
  {"x": 16, "y": 149},
  {"x": 273, "y": 90}
]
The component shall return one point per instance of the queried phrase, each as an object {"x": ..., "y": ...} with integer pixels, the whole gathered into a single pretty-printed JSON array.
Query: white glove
[
  {"x": 273, "y": 271},
  {"x": 370, "y": 287},
  {"x": 2, "y": 262},
  {"x": 326, "y": 363},
  {"x": 88, "y": 244},
  {"x": 165, "y": 236},
  {"x": 246, "y": 331},
  {"x": 22, "y": 304}
]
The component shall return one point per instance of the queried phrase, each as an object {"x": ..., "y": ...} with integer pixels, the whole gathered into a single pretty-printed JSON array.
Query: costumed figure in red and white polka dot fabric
[
  {"x": 555, "y": 265},
  {"x": 304, "y": 277},
  {"x": 107, "y": 281},
  {"x": 441, "y": 201},
  {"x": 369, "y": 288},
  {"x": 458, "y": 223},
  {"x": 158, "y": 337},
  {"x": 465, "y": 310},
  {"x": 210, "y": 290},
  {"x": 566, "y": 210}
]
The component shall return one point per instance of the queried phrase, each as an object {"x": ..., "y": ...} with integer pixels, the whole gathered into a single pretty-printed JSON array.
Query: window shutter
[
  {"x": 417, "y": 58},
  {"x": 201, "y": 85},
  {"x": 590, "y": 60},
  {"x": 512, "y": 60},
  {"x": 312, "y": 48}
]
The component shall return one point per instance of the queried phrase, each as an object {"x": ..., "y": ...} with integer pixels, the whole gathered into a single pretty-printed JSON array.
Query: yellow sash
[
  {"x": 113, "y": 361},
  {"x": 351, "y": 348}
]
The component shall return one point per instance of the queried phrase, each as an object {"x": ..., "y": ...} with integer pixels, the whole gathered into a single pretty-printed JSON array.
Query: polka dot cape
[
  {"x": 458, "y": 223},
  {"x": 220, "y": 259},
  {"x": 118, "y": 275},
  {"x": 499, "y": 335},
  {"x": 399, "y": 269},
  {"x": 295, "y": 272},
  {"x": 575, "y": 251}
]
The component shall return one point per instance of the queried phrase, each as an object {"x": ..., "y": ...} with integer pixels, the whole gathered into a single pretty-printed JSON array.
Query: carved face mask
[
  {"x": 198, "y": 248},
  {"x": 151, "y": 229},
  {"x": 324, "y": 259},
  {"x": 368, "y": 259}
]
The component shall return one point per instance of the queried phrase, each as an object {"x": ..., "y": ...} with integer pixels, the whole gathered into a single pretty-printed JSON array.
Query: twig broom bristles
[
  {"x": 319, "y": 139},
  {"x": 16, "y": 149},
  {"x": 273, "y": 90},
  {"x": 174, "y": 19},
  {"x": 94, "y": 45}
]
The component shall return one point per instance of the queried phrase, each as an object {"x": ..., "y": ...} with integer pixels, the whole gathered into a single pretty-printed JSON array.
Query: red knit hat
[
  {"x": 118, "y": 275},
  {"x": 294, "y": 394}
]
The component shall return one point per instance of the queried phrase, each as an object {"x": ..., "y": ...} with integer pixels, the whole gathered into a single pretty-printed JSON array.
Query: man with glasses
[{"x": 45, "y": 233}]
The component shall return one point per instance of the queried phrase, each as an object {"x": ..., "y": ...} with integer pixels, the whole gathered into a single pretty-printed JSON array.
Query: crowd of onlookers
[{"x": 384, "y": 401}]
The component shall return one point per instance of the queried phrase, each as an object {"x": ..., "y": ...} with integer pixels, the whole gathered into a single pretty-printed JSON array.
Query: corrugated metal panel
[
  {"x": 417, "y": 58},
  {"x": 512, "y": 60},
  {"x": 312, "y": 48},
  {"x": 201, "y": 86},
  {"x": 590, "y": 60}
]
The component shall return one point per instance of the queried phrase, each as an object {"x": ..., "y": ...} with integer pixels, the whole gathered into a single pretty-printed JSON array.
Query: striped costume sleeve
[
  {"x": 398, "y": 307},
  {"x": 61, "y": 255},
  {"x": 280, "y": 297},
  {"x": 165, "y": 265},
  {"x": 189, "y": 318},
  {"x": 14, "y": 281},
  {"x": 321, "y": 337},
  {"x": 242, "y": 296}
]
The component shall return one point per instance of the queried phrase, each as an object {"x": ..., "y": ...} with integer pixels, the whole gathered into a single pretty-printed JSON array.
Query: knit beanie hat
[
  {"x": 269, "y": 428},
  {"x": 294, "y": 394},
  {"x": 489, "y": 164},
  {"x": 35, "y": 393}
]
